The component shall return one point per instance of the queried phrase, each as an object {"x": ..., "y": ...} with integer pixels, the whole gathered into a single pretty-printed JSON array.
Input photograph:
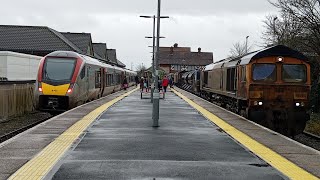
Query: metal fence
[{"x": 16, "y": 99}]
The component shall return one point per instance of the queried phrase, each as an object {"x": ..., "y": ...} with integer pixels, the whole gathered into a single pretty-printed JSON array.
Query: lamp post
[
  {"x": 274, "y": 29},
  {"x": 153, "y": 67},
  {"x": 247, "y": 44},
  {"x": 155, "y": 93}
]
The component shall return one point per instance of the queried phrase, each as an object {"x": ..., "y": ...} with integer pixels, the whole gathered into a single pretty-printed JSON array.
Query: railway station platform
[{"x": 113, "y": 138}]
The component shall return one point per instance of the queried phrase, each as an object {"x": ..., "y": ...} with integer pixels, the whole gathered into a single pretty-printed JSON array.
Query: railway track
[
  {"x": 20, "y": 130},
  {"x": 308, "y": 139},
  {"x": 311, "y": 135}
]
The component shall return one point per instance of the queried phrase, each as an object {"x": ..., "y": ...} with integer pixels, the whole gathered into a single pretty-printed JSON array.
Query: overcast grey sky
[{"x": 213, "y": 25}]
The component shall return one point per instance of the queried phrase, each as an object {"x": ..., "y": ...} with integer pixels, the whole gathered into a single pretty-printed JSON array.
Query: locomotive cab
[{"x": 278, "y": 93}]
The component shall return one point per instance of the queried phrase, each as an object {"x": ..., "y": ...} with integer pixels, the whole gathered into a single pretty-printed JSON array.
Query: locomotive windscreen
[
  {"x": 294, "y": 73},
  {"x": 264, "y": 72},
  {"x": 58, "y": 69}
]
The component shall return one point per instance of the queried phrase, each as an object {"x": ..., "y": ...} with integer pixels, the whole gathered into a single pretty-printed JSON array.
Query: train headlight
[
  {"x": 300, "y": 104},
  {"x": 70, "y": 89},
  {"x": 40, "y": 87},
  {"x": 280, "y": 59},
  {"x": 256, "y": 103}
]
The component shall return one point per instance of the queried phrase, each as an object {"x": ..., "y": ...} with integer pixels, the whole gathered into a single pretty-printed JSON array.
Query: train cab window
[
  {"x": 83, "y": 72},
  {"x": 264, "y": 72},
  {"x": 58, "y": 69},
  {"x": 294, "y": 73}
]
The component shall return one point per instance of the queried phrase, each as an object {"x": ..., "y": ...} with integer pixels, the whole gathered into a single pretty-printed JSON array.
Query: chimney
[
  {"x": 175, "y": 45},
  {"x": 199, "y": 50}
]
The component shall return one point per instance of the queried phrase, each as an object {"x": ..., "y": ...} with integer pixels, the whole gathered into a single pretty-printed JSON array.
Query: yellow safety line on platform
[
  {"x": 43, "y": 162},
  {"x": 274, "y": 159}
]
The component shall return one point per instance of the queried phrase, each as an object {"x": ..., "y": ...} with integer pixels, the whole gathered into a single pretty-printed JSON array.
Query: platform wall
[{"x": 16, "y": 99}]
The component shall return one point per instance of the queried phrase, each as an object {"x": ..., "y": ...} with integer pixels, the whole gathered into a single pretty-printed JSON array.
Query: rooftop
[{"x": 183, "y": 55}]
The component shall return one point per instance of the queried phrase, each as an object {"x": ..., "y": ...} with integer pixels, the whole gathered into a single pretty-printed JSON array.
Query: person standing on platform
[
  {"x": 141, "y": 84},
  {"x": 146, "y": 84},
  {"x": 125, "y": 83},
  {"x": 137, "y": 80},
  {"x": 170, "y": 82},
  {"x": 165, "y": 82}
]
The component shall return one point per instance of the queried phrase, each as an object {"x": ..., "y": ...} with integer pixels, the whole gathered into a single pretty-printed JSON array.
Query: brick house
[{"x": 174, "y": 59}]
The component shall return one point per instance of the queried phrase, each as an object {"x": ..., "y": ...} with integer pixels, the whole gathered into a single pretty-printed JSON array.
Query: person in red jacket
[{"x": 165, "y": 82}]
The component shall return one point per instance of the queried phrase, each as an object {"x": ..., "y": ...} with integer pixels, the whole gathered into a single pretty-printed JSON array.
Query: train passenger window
[
  {"x": 83, "y": 72},
  {"x": 109, "y": 79},
  {"x": 97, "y": 79},
  {"x": 294, "y": 73},
  {"x": 264, "y": 72},
  {"x": 112, "y": 81}
]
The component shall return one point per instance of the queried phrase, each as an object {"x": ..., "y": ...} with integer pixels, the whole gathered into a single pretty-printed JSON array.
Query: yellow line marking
[
  {"x": 285, "y": 166},
  {"x": 44, "y": 161}
]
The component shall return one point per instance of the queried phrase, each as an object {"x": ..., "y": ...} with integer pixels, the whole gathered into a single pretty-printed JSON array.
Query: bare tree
[
  {"x": 239, "y": 49},
  {"x": 141, "y": 69},
  {"x": 299, "y": 26},
  {"x": 283, "y": 30}
]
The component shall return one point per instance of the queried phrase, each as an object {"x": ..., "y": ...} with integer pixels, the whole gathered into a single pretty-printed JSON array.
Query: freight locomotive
[
  {"x": 270, "y": 86},
  {"x": 67, "y": 79}
]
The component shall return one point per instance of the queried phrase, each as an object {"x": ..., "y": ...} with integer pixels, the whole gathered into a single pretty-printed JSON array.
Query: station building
[{"x": 174, "y": 59}]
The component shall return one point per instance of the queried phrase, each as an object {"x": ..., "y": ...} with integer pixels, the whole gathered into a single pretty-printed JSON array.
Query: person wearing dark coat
[
  {"x": 125, "y": 84},
  {"x": 137, "y": 80}
]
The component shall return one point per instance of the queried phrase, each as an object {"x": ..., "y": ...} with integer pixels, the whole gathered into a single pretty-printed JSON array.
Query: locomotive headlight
[
  {"x": 280, "y": 59},
  {"x": 256, "y": 103},
  {"x": 300, "y": 104}
]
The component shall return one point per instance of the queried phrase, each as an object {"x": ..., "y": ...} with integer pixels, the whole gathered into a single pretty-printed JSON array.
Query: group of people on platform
[{"x": 162, "y": 84}]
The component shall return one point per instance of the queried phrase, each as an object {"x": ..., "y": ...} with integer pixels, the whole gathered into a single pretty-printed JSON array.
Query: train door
[
  {"x": 231, "y": 79},
  {"x": 83, "y": 84},
  {"x": 114, "y": 80},
  {"x": 123, "y": 75},
  {"x": 86, "y": 85},
  {"x": 102, "y": 80}
]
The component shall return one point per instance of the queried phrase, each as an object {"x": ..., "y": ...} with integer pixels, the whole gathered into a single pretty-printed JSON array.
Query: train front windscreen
[{"x": 58, "y": 70}]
